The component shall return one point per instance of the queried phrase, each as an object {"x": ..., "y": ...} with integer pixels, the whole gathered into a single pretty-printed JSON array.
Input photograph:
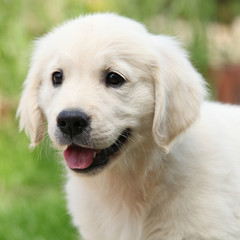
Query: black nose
[{"x": 72, "y": 122}]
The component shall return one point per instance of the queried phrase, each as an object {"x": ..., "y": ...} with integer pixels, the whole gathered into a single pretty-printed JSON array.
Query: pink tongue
[{"x": 78, "y": 157}]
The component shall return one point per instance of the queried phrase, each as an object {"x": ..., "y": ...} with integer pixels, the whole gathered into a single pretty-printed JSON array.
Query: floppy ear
[
  {"x": 30, "y": 115},
  {"x": 179, "y": 91}
]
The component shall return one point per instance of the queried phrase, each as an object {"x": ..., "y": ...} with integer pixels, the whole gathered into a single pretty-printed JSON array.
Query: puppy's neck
[{"x": 131, "y": 178}]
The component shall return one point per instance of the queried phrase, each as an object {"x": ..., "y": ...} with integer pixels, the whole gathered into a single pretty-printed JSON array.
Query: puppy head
[{"x": 100, "y": 80}]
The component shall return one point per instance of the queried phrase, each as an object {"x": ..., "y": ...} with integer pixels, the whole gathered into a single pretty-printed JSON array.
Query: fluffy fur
[{"x": 178, "y": 176}]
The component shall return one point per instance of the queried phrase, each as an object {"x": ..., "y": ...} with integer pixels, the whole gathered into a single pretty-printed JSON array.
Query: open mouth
[{"x": 84, "y": 160}]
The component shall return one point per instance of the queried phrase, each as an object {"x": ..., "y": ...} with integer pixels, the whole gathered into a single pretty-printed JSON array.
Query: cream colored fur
[{"x": 178, "y": 176}]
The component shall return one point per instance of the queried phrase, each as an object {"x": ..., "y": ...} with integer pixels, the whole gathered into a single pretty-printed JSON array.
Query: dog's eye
[
  {"x": 114, "y": 80},
  {"x": 57, "y": 78}
]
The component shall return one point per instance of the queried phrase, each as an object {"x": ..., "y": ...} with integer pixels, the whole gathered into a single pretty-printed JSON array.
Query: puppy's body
[
  {"x": 191, "y": 193},
  {"x": 148, "y": 158}
]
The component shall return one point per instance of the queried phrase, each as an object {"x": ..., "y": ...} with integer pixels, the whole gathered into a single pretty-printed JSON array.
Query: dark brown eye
[
  {"x": 57, "y": 78},
  {"x": 114, "y": 80}
]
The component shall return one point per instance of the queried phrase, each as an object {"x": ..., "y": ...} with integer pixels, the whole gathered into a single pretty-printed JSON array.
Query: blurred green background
[{"x": 32, "y": 203}]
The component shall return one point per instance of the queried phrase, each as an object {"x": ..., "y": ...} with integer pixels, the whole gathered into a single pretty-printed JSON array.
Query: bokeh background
[{"x": 32, "y": 203}]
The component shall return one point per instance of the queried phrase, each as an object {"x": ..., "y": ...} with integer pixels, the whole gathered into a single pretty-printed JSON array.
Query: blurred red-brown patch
[{"x": 227, "y": 81}]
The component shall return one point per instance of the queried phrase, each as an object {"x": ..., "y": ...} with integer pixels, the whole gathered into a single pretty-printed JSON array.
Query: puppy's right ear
[
  {"x": 30, "y": 116},
  {"x": 179, "y": 91}
]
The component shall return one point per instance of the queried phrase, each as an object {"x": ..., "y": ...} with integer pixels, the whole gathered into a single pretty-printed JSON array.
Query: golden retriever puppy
[{"x": 148, "y": 158}]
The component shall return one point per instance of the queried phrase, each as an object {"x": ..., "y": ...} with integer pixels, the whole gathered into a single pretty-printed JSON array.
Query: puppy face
[
  {"x": 103, "y": 84},
  {"x": 99, "y": 81}
]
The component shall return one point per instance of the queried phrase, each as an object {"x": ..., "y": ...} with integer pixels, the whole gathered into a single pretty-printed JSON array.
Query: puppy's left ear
[
  {"x": 30, "y": 115},
  {"x": 179, "y": 91}
]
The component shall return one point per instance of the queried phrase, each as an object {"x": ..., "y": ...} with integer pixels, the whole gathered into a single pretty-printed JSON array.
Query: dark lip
[{"x": 102, "y": 158}]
